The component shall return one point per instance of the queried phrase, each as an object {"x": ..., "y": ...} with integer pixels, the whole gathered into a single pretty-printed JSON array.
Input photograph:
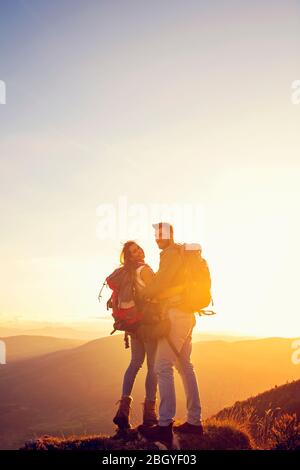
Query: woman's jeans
[
  {"x": 182, "y": 325},
  {"x": 139, "y": 350}
]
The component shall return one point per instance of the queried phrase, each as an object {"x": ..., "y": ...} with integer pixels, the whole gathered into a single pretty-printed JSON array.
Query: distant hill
[
  {"x": 285, "y": 397},
  {"x": 234, "y": 371},
  {"x": 75, "y": 391},
  {"x": 93, "y": 329},
  {"x": 200, "y": 336},
  {"x": 54, "y": 332},
  {"x": 24, "y": 347},
  {"x": 271, "y": 417}
]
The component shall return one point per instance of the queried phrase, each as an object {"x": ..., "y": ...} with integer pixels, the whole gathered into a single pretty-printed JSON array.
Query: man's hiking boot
[
  {"x": 120, "y": 434},
  {"x": 125, "y": 435},
  {"x": 149, "y": 413},
  {"x": 187, "y": 428},
  {"x": 157, "y": 433},
  {"x": 122, "y": 417}
]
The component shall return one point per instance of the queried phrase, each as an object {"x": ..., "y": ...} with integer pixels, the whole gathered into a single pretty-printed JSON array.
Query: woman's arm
[{"x": 147, "y": 275}]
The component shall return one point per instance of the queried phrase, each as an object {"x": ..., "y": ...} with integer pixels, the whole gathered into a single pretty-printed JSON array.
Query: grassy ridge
[{"x": 217, "y": 436}]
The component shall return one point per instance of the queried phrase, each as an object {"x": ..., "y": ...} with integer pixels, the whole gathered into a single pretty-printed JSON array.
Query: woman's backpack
[{"x": 126, "y": 311}]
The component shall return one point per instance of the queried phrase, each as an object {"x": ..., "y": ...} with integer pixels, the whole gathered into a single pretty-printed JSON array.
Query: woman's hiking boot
[
  {"x": 149, "y": 413},
  {"x": 122, "y": 417}
]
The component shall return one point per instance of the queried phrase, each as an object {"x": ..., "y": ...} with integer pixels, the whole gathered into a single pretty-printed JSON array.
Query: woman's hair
[{"x": 125, "y": 254}]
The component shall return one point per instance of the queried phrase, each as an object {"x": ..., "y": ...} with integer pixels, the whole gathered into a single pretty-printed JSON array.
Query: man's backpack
[{"x": 197, "y": 289}]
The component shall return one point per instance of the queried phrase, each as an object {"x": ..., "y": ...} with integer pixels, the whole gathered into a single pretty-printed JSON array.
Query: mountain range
[{"x": 75, "y": 390}]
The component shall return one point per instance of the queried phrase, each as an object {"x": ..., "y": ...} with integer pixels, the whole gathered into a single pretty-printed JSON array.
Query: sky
[{"x": 151, "y": 103}]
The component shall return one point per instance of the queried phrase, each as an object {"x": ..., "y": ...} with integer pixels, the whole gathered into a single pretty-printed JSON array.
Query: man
[{"x": 176, "y": 349}]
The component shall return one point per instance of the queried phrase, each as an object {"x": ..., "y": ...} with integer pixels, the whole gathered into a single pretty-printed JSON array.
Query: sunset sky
[{"x": 160, "y": 102}]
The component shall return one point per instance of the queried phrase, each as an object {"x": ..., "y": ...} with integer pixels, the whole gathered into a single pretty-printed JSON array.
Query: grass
[{"x": 217, "y": 436}]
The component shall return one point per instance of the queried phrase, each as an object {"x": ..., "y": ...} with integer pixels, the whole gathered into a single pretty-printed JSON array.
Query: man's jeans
[
  {"x": 139, "y": 350},
  {"x": 182, "y": 325}
]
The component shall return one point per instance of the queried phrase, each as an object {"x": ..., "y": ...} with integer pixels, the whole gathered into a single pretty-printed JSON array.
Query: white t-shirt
[{"x": 139, "y": 281}]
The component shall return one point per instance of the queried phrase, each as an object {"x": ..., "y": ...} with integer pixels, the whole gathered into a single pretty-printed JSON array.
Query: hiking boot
[
  {"x": 125, "y": 435},
  {"x": 149, "y": 414},
  {"x": 157, "y": 433},
  {"x": 122, "y": 417},
  {"x": 187, "y": 428},
  {"x": 120, "y": 434}
]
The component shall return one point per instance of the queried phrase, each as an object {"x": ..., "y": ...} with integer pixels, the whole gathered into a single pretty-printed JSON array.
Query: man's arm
[{"x": 170, "y": 263}]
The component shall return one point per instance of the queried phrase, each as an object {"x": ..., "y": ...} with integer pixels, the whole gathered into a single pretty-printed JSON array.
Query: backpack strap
[
  {"x": 172, "y": 346},
  {"x": 126, "y": 340},
  {"x": 102, "y": 287}
]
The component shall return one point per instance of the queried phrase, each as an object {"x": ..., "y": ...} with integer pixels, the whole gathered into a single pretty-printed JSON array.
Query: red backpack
[{"x": 126, "y": 317}]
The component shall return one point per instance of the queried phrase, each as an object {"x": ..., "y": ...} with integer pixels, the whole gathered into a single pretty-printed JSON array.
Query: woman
[{"x": 133, "y": 260}]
